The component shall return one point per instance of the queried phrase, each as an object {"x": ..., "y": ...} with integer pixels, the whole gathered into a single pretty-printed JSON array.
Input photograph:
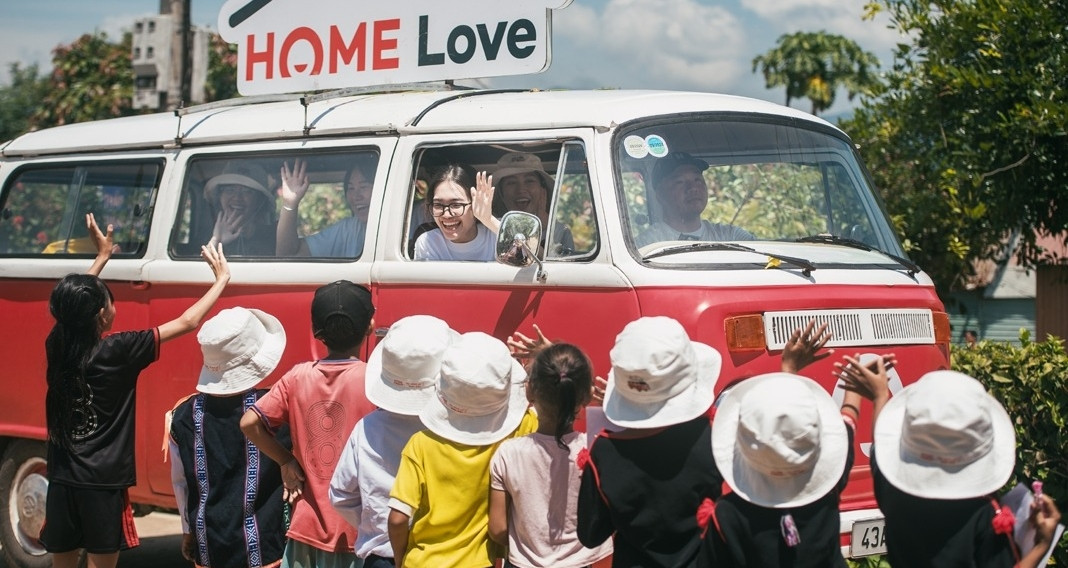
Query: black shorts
[{"x": 98, "y": 520}]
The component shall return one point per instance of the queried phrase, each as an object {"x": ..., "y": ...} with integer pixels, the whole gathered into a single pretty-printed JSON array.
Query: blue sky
[{"x": 660, "y": 44}]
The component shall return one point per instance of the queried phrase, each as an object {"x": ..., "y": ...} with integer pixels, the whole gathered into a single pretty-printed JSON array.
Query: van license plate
[{"x": 869, "y": 537}]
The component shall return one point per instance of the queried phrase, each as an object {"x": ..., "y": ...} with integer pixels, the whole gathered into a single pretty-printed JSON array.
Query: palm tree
[{"x": 813, "y": 66}]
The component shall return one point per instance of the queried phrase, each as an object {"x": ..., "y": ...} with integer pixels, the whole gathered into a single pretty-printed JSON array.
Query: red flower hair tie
[
  {"x": 582, "y": 458},
  {"x": 1004, "y": 521},
  {"x": 706, "y": 511}
]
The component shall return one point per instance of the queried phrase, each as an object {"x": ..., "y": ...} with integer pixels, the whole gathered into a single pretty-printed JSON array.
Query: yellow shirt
[{"x": 445, "y": 485}]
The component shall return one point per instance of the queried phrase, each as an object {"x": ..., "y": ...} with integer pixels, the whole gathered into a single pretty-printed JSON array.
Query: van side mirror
[{"x": 519, "y": 241}]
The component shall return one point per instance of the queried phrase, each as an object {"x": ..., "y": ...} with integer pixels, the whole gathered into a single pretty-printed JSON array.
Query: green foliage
[
  {"x": 868, "y": 562},
  {"x": 222, "y": 69},
  {"x": 968, "y": 136},
  {"x": 1031, "y": 381},
  {"x": 92, "y": 79},
  {"x": 19, "y": 99},
  {"x": 813, "y": 65}
]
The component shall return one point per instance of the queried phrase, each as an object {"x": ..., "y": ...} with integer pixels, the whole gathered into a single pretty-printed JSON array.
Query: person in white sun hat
[
  {"x": 401, "y": 375},
  {"x": 440, "y": 501},
  {"x": 241, "y": 347},
  {"x": 643, "y": 485},
  {"x": 785, "y": 449},
  {"x": 942, "y": 448}
]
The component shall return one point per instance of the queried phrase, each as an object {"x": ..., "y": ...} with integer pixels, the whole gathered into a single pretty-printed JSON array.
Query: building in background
[{"x": 158, "y": 57}]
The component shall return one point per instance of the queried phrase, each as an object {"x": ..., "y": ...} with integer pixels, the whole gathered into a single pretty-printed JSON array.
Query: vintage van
[{"x": 815, "y": 242}]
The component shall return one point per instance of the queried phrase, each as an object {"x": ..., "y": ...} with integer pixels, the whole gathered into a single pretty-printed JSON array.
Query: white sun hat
[
  {"x": 779, "y": 441},
  {"x": 403, "y": 368},
  {"x": 481, "y": 395},
  {"x": 241, "y": 347},
  {"x": 945, "y": 437},
  {"x": 659, "y": 377}
]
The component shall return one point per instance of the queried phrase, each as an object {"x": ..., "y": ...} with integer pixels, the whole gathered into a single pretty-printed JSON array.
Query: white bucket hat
[
  {"x": 945, "y": 437},
  {"x": 243, "y": 173},
  {"x": 480, "y": 392},
  {"x": 403, "y": 368},
  {"x": 240, "y": 347},
  {"x": 515, "y": 163},
  {"x": 659, "y": 377},
  {"x": 779, "y": 441}
]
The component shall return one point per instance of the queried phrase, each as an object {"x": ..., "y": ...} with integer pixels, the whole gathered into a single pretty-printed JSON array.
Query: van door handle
[
  {"x": 381, "y": 331},
  {"x": 140, "y": 285}
]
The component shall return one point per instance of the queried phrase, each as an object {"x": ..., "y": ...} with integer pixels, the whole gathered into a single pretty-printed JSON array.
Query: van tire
[{"x": 23, "y": 488}]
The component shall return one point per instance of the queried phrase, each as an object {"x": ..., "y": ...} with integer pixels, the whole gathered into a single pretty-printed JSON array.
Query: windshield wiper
[
  {"x": 910, "y": 267},
  {"x": 805, "y": 266}
]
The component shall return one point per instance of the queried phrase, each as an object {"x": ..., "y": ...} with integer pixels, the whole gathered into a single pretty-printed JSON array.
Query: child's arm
[
  {"x": 192, "y": 317},
  {"x": 523, "y": 347},
  {"x": 398, "y": 535},
  {"x": 802, "y": 347},
  {"x": 344, "y": 490},
  {"x": 1044, "y": 517},
  {"x": 257, "y": 433},
  {"x": 498, "y": 517},
  {"x": 105, "y": 244},
  {"x": 869, "y": 381}
]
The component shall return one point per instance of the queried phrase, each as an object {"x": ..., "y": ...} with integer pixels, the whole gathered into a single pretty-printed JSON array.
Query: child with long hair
[
  {"x": 534, "y": 480},
  {"x": 90, "y": 405}
]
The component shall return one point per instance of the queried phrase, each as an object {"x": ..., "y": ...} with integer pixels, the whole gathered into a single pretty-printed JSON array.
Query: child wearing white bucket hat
[
  {"x": 942, "y": 448},
  {"x": 401, "y": 373},
  {"x": 440, "y": 500},
  {"x": 785, "y": 449},
  {"x": 644, "y": 484},
  {"x": 233, "y": 494}
]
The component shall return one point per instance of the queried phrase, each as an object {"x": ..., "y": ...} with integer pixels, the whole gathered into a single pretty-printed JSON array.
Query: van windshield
[{"x": 764, "y": 184}]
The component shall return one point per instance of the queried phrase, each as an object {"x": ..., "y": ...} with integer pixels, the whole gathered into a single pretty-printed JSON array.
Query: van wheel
[{"x": 23, "y": 489}]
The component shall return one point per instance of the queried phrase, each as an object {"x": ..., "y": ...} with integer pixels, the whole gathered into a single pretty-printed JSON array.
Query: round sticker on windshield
[
  {"x": 657, "y": 146},
  {"x": 635, "y": 147}
]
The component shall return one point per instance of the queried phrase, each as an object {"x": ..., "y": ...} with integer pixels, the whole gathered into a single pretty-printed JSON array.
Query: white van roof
[{"x": 248, "y": 119}]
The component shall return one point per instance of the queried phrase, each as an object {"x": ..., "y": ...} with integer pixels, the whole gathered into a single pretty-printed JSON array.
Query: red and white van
[{"x": 823, "y": 247}]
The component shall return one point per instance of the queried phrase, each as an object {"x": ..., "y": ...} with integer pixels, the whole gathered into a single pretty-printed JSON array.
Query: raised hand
[
  {"x": 482, "y": 201},
  {"x": 869, "y": 381},
  {"x": 523, "y": 347},
  {"x": 229, "y": 226},
  {"x": 212, "y": 253},
  {"x": 294, "y": 183},
  {"x": 802, "y": 349},
  {"x": 104, "y": 242}
]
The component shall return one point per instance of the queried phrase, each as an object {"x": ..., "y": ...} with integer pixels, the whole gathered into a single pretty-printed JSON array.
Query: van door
[
  {"x": 277, "y": 256},
  {"x": 583, "y": 298}
]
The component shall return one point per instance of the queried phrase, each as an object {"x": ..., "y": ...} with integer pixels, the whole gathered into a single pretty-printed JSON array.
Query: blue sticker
[{"x": 657, "y": 146}]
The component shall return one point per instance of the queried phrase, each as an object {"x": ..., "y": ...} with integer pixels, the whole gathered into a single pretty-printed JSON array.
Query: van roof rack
[{"x": 415, "y": 121}]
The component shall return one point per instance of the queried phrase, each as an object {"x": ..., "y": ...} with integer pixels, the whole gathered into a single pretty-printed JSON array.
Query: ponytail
[
  {"x": 560, "y": 379},
  {"x": 75, "y": 304}
]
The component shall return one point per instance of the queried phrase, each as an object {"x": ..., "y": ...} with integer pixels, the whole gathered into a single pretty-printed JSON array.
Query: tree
[
  {"x": 813, "y": 66},
  {"x": 222, "y": 69},
  {"x": 968, "y": 139},
  {"x": 19, "y": 100},
  {"x": 91, "y": 79}
]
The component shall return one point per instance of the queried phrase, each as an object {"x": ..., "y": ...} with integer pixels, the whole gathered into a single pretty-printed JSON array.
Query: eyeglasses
[{"x": 454, "y": 209}]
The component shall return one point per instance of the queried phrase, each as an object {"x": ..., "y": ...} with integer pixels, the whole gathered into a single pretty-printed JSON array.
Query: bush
[{"x": 1031, "y": 381}]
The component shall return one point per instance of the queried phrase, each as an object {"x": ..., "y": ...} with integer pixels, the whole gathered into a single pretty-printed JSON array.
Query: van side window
[
  {"x": 525, "y": 179},
  {"x": 44, "y": 207},
  {"x": 289, "y": 206}
]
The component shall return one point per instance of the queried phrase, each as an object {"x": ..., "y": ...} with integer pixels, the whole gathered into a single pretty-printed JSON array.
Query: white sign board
[{"x": 287, "y": 46}]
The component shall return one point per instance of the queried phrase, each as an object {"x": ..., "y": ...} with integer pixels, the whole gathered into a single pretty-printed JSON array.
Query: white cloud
[{"x": 671, "y": 43}]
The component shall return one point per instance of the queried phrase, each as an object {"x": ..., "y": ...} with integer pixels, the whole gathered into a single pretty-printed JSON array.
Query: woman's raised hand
[
  {"x": 482, "y": 201},
  {"x": 294, "y": 183}
]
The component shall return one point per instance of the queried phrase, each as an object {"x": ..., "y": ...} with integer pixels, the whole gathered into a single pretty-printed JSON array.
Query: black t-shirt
[
  {"x": 647, "y": 491},
  {"x": 751, "y": 536},
  {"x": 940, "y": 533},
  {"x": 102, "y": 449}
]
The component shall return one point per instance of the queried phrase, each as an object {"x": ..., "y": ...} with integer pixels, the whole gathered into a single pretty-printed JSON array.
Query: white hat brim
[
  {"x": 684, "y": 406},
  {"x": 979, "y": 478},
  {"x": 211, "y": 189},
  {"x": 255, "y": 370},
  {"x": 478, "y": 430},
  {"x": 779, "y": 493},
  {"x": 385, "y": 395}
]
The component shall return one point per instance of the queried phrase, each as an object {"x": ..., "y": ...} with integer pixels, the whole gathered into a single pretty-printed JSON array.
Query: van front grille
[{"x": 854, "y": 327}]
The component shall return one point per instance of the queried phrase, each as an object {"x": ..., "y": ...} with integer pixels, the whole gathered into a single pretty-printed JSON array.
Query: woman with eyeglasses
[{"x": 461, "y": 203}]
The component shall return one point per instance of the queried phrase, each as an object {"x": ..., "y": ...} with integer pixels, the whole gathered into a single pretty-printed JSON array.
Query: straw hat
[
  {"x": 239, "y": 172},
  {"x": 515, "y": 163},
  {"x": 659, "y": 377},
  {"x": 779, "y": 441},
  {"x": 404, "y": 366},
  {"x": 480, "y": 396},
  {"x": 944, "y": 437},
  {"x": 240, "y": 347}
]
